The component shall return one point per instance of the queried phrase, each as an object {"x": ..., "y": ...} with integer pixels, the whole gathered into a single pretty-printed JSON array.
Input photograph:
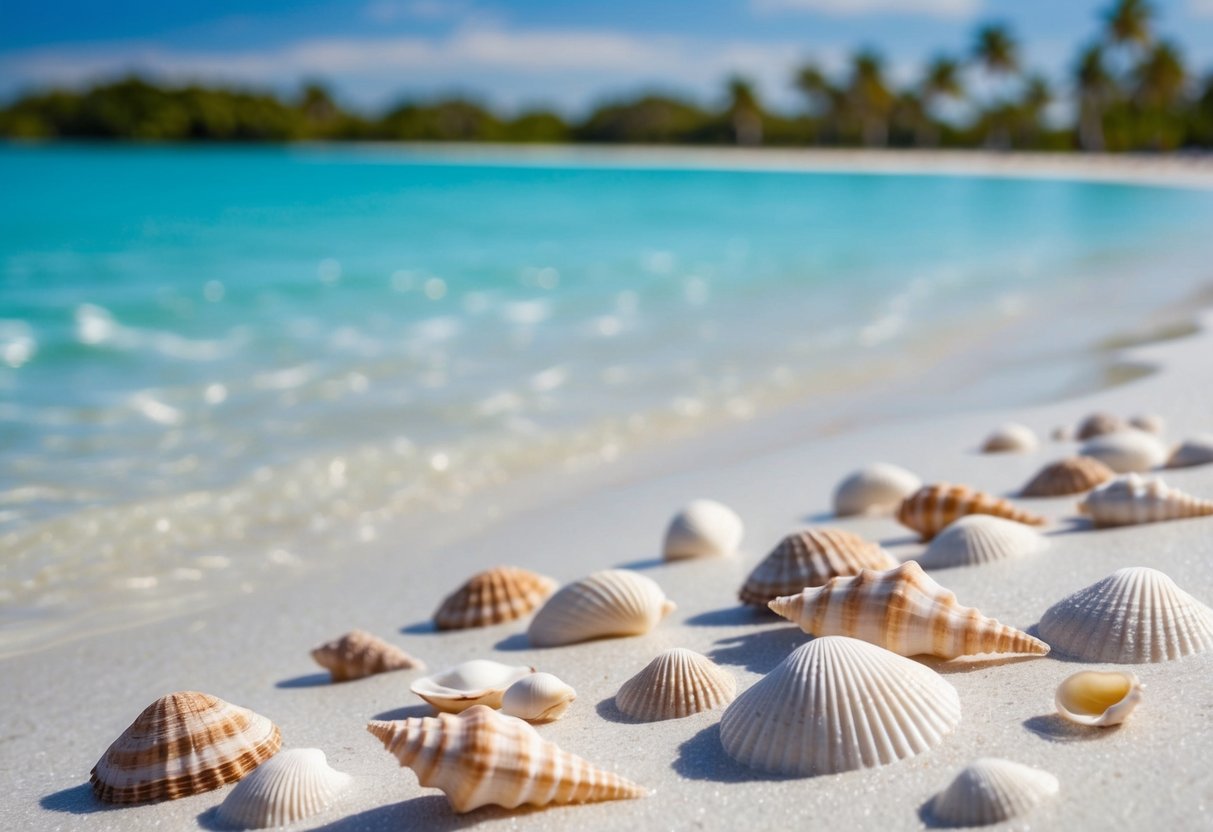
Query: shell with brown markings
[
  {"x": 810, "y": 558},
  {"x": 677, "y": 683},
  {"x": 1069, "y": 476},
  {"x": 358, "y": 653},
  {"x": 494, "y": 596},
  {"x": 929, "y": 510}
]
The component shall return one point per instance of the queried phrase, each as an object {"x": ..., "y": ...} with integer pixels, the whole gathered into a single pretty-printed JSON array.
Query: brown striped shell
[
  {"x": 676, "y": 684},
  {"x": 810, "y": 558},
  {"x": 1069, "y": 476},
  {"x": 494, "y": 596},
  {"x": 929, "y": 510},
  {"x": 358, "y": 653},
  {"x": 1098, "y": 424}
]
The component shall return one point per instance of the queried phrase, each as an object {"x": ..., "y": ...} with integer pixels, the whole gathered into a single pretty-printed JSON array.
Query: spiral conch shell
[
  {"x": 902, "y": 610},
  {"x": 929, "y": 510},
  {"x": 478, "y": 682},
  {"x": 1134, "y": 499},
  {"x": 482, "y": 757},
  {"x": 703, "y": 529},
  {"x": 875, "y": 489},
  {"x": 1195, "y": 451},
  {"x": 1010, "y": 438},
  {"x": 291, "y": 786},
  {"x": 494, "y": 596},
  {"x": 183, "y": 744},
  {"x": 810, "y": 558},
  {"x": 1069, "y": 476},
  {"x": 1101, "y": 700},
  {"x": 358, "y": 653},
  {"x": 1127, "y": 450},
  {"x": 990, "y": 790},
  {"x": 677, "y": 683},
  {"x": 611, "y": 603},
  {"x": 539, "y": 697}
]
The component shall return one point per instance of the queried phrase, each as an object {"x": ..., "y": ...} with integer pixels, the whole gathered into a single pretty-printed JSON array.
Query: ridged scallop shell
[
  {"x": 677, "y": 683},
  {"x": 1149, "y": 422},
  {"x": 1134, "y": 615},
  {"x": 482, "y": 757},
  {"x": 1010, "y": 438},
  {"x": 1195, "y": 451},
  {"x": 494, "y": 596},
  {"x": 837, "y": 704},
  {"x": 1133, "y": 499},
  {"x": 703, "y": 529},
  {"x": 810, "y": 558},
  {"x": 1127, "y": 451},
  {"x": 981, "y": 538},
  {"x": 611, "y": 603},
  {"x": 990, "y": 791},
  {"x": 291, "y": 786},
  {"x": 358, "y": 653},
  {"x": 539, "y": 697},
  {"x": 932, "y": 508},
  {"x": 183, "y": 744},
  {"x": 905, "y": 611},
  {"x": 1069, "y": 476},
  {"x": 478, "y": 682},
  {"x": 1098, "y": 424},
  {"x": 1099, "y": 699},
  {"x": 876, "y": 488}
]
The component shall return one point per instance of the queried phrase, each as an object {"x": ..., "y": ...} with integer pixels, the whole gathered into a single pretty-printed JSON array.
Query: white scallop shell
[
  {"x": 478, "y": 682},
  {"x": 981, "y": 538},
  {"x": 614, "y": 602},
  {"x": 990, "y": 790},
  {"x": 704, "y": 528},
  {"x": 1134, "y": 615},
  {"x": 876, "y": 488},
  {"x": 837, "y": 704},
  {"x": 539, "y": 697},
  {"x": 677, "y": 683},
  {"x": 1011, "y": 437},
  {"x": 1133, "y": 499},
  {"x": 290, "y": 786},
  {"x": 1150, "y": 423},
  {"x": 1092, "y": 697},
  {"x": 1127, "y": 450},
  {"x": 1195, "y": 451}
]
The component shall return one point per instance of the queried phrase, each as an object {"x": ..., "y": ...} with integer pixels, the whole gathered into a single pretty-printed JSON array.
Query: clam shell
[
  {"x": 1127, "y": 450},
  {"x": 1149, "y": 422},
  {"x": 990, "y": 790},
  {"x": 810, "y": 558},
  {"x": 614, "y": 602},
  {"x": 703, "y": 529},
  {"x": 478, "y": 682},
  {"x": 539, "y": 697},
  {"x": 493, "y": 597},
  {"x": 1134, "y": 615},
  {"x": 482, "y": 757},
  {"x": 837, "y": 704},
  {"x": 1010, "y": 438},
  {"x": 1134, "y": 499},
  {"x": 358, "y": 653},
  {"x": 677, "y": 683},
  {"x": 933, "y": 507},
  {"x": 291, "y": 786},
  {"x": 1091, "y": 697},
  {"x": 1069, "y": 476},
  {"x": 981, "y": 538},
  {"x": 183, "y": 744},
  {"x": 905, "y": 611},
  {"x": 1098, "y": 424},
  {"x": 875, "y": 489},
  {"x": 1195, "y": 451}
]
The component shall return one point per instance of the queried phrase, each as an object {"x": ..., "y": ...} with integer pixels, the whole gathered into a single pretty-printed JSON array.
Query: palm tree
[
  {"x": 870, "y": 98},
  {"x": 744, "y": 111},
  {"x": 825, "y": 101},
  {"x": 1037, "y": 95},
  {"x": 1095, "y": 86},
  {"x": 998, "y": 54},
  {"x": 1160, "y": 77},
  {"x": 941, "y": 80},
  {"x": 1128, "y": 23}
]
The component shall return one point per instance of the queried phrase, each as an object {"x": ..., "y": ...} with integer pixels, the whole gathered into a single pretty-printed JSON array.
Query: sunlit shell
[
  {"x": 481, "y": 757},
  {"x": 539, "y": 697},
  {"x": 902, "y": 610},
  {"x": 494, "y": 596},
  {"x": 990, "y": 791},
  {"x": 1195, "y": 451},
  {"x": 1134, "y": 615},
  {"x": 1010, "y": 438},
  {"x": 183, "y": 744},
  {"x": 1133, "y": 499},
  {"x": 1069, "y": 476},
  {"x": 294, "y": 785},
  {"x": 1127, "y": 450},
  {"x": 1092, "y": 697},
  {"x": 614, "y": 602},
  {"x": 358, "y": 653},
  {"x": 1098, "y": 424},
  {"x": 837, "y": 704},
  {"x": 677, "y": 683},
  {"x": 810, "y": 558},
  {"x": 478, "y": 682},
  {"x": 933, "y": 507},
  {"x": 981, "y": 538},
  {"x": 875, "y": 489},
  {"x": 1149, "y": 422},
  {"x": 704, "y": 528}
]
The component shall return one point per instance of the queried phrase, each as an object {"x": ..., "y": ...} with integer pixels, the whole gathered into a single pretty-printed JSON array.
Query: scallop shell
[
  {"x": 482, "y": 757},
  {"x": 905, "y": 611},
  {"x": 539, "y": 697},
  {"x": 1010, "y": 438},
  {"x": 837, "y": 704},
  {"x": 358, "y": 653},
  {"x": 1195, "y": 451},
  {"x": 933, "y": 507},
  {"x": 810, "y": 558},
  {"x": 1134, "y": 499},
  {"x": 1127, "y": 451},
  {"x": 1091, "y": 697},
  {"x": 614, "y": 602},
  {"x": 1149, "y": 422},
  {"x": 1134, "y": 615},
  {"x": 990, "y": 790},
  {"x": 703, "y": 529},
  {"x": 293, "y": 785},
  {"x": 875, "y": 489},
  {"x": 1070, "y": 476},
  {"x": 981, "y": 538},
  {"x": 493, "y": 597},
  {"x": 183, "y": 744},
  {"x": 1098, "y": 424},
  {"x": 677, "y": 683},
  {"x": 478, "y": 682}
]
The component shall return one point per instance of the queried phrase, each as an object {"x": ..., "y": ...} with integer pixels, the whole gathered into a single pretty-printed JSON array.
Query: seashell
[
  {"x": 182, "y": 744},
  {"x": 1061, "y": 433},
  {"x": 1134, "y": 615},
  {"x": 493, "y": 597},
  {"x": 677, "y": 683},
  {"x": 1098, "y": 424},
  {"x": 981, "y": 538},
  {"x": 703, "y": 529},
  {"x": 1127, "y": 451},
  {"x": 1149, "y": 422},
  {"x": 902, "y": 610},
  {"x": 611, "y": 603},
  {"x": 1195, "y": 451},
  {"x": 930, "y": 509},
  {"x": 1011, "y": 437},
  {"x": 1070, "y": 476},
  {"x": 810, "y": 558},
  {"x": 874, "y": 489},
  {"x": 539, "y": 697},
  {"x": 837, "y": 704},
  {"x": 291, "y": 786},
  {"x": 358, "y": 653},
  {"x": 1133, "y": 499},
  {"x": 481, "y": 757},
  {"x": 478, "y": 682},
  {"x": 1091, "y": 697},
  {"x": 989, "y": 790}
]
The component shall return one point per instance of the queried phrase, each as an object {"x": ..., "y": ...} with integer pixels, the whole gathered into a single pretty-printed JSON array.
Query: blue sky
[{"x": 515, "y": 54}]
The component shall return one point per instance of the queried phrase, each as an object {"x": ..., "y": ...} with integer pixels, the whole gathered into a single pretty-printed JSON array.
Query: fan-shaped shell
[
  {"x": 481, "y": 757},
  {"x": 494, "y": 596},
  {"x": 1149, "y": 422},
  {"x": 810, "y": 558},
  {"x": 1098, "y": 424},
  {"x": 837, "y": 704},
  {"x": 933, "y": 507},
  {"x": 1091, "y": 697},
  {"x": 1011, "y": 437},
  {"x": 358, "y": 653},
  {"x": 677, "y": 683},
  {"x": 183, "y": 744},
  {"x": 1134, "y": 615},
  {"x": 1127, "y": 450},
  {"x": 981, "y": 538},
  {"x": 1069, "y": 476},
  {"x": 478, "y": 682},
  {"x": 539, "y": 697},
  {"x": 614, "y": 602},
  {"x": 1195, "y": 451},
  {"x": 990, "y": 790},
  {"x": 291, "y": 786},
  {"x": 1134, "y": 499},
  {"x": 703, "y": 529},
  {"x": 874, "y": 489}
]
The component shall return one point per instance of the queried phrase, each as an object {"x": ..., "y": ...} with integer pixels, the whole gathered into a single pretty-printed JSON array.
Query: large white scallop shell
[
  {"x": 990, "y": 790},
  {"x": 539, "y": 697},
  {"x": 677, "y": 683},
  {"x": 1011, "y": 437},
  {"x": 876, "y": 488},
  {"x": 1133, "y": 499},
  {"x": 704, "y": 528},
  {"x": 1127, "y": 450},
  {"x": 836, "y": 704},
  {"x": 1092, "y": 697},
  {"x": 981, "y": 538},
  {"x": 290, "y": 786},
  {"x": 614, "y": 602},
  {"x": 478, "y": 682},
  {"x": 1195, "y": 451}
]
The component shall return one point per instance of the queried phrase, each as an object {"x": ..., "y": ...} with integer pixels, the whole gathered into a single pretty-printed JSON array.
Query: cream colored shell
[
  {"x": 990, "y": 790},
  {"x": 933, "y": 508},
  {"x": 1098, "y": 424},
  {"x": 497, "y": 595},
  {"x": 611, "y": 603},
  {"x": 703, "y": 529},
  {"x": 477, "y": 682},
  {"x": 358, "y": 653},
  {"x": 1149, "y": 422},
  {"x": 1133, "y": 499},
  {"x": 875, "y": 489},
  {"x": 1011, "y": 437},
  {"x": 981, "y": 538},
  {"x": 1069, "y": 476},
  {"x": 1195, "y": 451},
  {"x": 810, "y": 558},
  {"x": 1127, "y": 450},
  {"x": 539, "y": 697},
  {"x": 1091, "y": 697},
  {"x": 678, "y": 683},
  {"x": 289, "y": 787}
]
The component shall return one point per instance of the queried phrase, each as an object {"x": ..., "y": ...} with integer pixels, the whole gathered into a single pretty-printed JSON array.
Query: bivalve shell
[
  {"x": 932, "y": 508},
  {"x": 494, "y": 596},
  {"x": 1149, "y": 422},
  {"x": 703, "y": 529},
  {"x": 1010, "y": 438},
  {"x": 1127, "y": 450},
  {"x": 1091, "y": 697},
  {"x": 1133, "y": 499},
  {"x": 1195, "y": 451},
  {"x": 478, "y": 682},
  {"x": 1069, "y": 476},
  {"x": 539, "y": 697},
  {"x": 981, "y": 538},
  {"x": 358, "y": 653},
  {"x": 810, "y": 558},
  {"x": 677, "y": 683},
  {"x": 611, "y": 603},
  {"x": 990, "y": 790},
  {"x": 293, "y": 785},
  {"x": 1098, "y": 424},
  {"x": 875, "y": 489}
]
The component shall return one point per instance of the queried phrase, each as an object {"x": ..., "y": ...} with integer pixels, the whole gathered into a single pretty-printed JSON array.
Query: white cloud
[
  {"x": 1200, "y": 8},
  {"x": 855, "y": 8}
]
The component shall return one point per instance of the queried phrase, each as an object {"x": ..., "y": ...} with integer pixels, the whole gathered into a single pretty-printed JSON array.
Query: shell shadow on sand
[
  {"x": 758, "y": 652},
  {"x": 430, "y": 812},
  {"x": 947, "y": 667},
  {"x": 703, "y": 757},
  {"x": 420, "y": 628},
  {"x": 642, "y": 564},
  {"x": 608, "y": 710},
  {"x": 405, "y": 712},
  {"x": 735, "y": 616},
  {"x": 1056, "y": 728},
  {"x": 514, "y": 643},
  {"x": 307, "y": 680},
  {"x": 76, "y": 800}
]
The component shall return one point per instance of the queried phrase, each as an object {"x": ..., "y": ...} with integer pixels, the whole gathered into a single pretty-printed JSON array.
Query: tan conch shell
[
  {"x": 810, "y": 558},
  {"x": 1070, "y": 476},
  {"x": 478, "y": 682},
  {"x": 981, "y": 538},
  {"x": 494, "y": 596},
  {"x": 703, "y": 529},
  {"x": 990, "y": 790},
  {"x": 1133, "y": 499},
  {"x": 611, "y": 603},
  {"x": 902, "y": 610},
  {"x": 1098, "y": 424},
  {"x": 929, "y": 510},
  {"x": 539, "y": 697},
  {"x": 1091, "y": 697},
  {"x": 678, "y": 683},
  {"x": 1195, "y": 451},
  {"x": 358, "y": 653},
  {"x": 183, "y": 744},
  {"x": 1149, "y": 422},
  {"x": 1010, "y": 438},
  {"x": 482, "y": 757},
  {"x": 293, "y": 785},
  {"x": 875, "y": 489},
  {"x": 1127, "y": 450}
]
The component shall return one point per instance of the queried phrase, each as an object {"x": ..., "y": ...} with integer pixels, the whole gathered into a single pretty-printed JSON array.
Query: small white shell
[
  {"x": 1011, "y": 437},
  {"x": 1133, "y": 499},
  {"x": 990, "y": 790},
  {"x": 478, "y": 682},
  {"x": 1091, "y": 697},
  {"x": 611, "y": 603},
  {"x": 1195, "y": 451},
  {"x": 981, "y": 538},
  {"x": 704, "y": 528},
  {"x": 1150, "y": 423},
  {"x": 288, "y": 787},
  {"x": 539, "y": 697},
  {"x": 1127, "y": 450},
  {"x": 877, "y": 488},
  {"x": 677, "y": 683}
]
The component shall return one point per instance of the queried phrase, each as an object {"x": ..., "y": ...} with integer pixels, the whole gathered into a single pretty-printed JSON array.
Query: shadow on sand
[
  {"x": 702, "y": 757},
  {"x": 642, "y": 564},
  {"x": 758, "y": 652},
  {"x": 307, "y": 680},
  {"x": 405, "y": 712},
  {"x": 904, "y": 540},
  {"x": 76, "y": 800},
  {"x": 431, "y": 813},
  {"x": 513, "y": 643},
  {"x": 818, "y": 517},
  {"x": 947, "y": 667},
  {"x": 420, "y": 628},
  {"x": 1056, "y": 728},
  {"x": 1072, "y": 525},
  {"x": 608, "y": 710},
  {"x": 732, "y": 617}
]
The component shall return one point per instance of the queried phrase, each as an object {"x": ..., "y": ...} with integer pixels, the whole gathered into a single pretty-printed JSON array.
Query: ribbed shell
[
  {"x": 183, "y": 744},
  {"x": 1070, "y": 476},
  {"x": 1010, "y": 438},
  {"x": 1098, "y": 424},
  {"x": 477, "y": 682},
  {"x": 358, "y": 653},
  {"x": 481, "y": 757},
  {"x": 294, "y": 785},
  {"x": 1134, "y": 615},
  {"x": 877, "y": 488},
  {"x": 981, "y": 538},
  {"x": 703, "y": 529},
  {"x": 1127, "y": 450},
  {"x": 611, "y": 603},
  {"x": 1195, "y": 451},
  {"x": 539, "y": 697},
  {"x": 494, "y": 596},
  {"x": 1149, "y": 422},
  {"x": 1090, "y": 697},
  {"x": 837, "y": 704},
  {"x": 677, "y": 683},
  {"x": 810, "y": 558},
  {"x": 990, "y": 790},
  {"x": 1133, "y": 499},
  {"x": 933, "y": 507}
]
